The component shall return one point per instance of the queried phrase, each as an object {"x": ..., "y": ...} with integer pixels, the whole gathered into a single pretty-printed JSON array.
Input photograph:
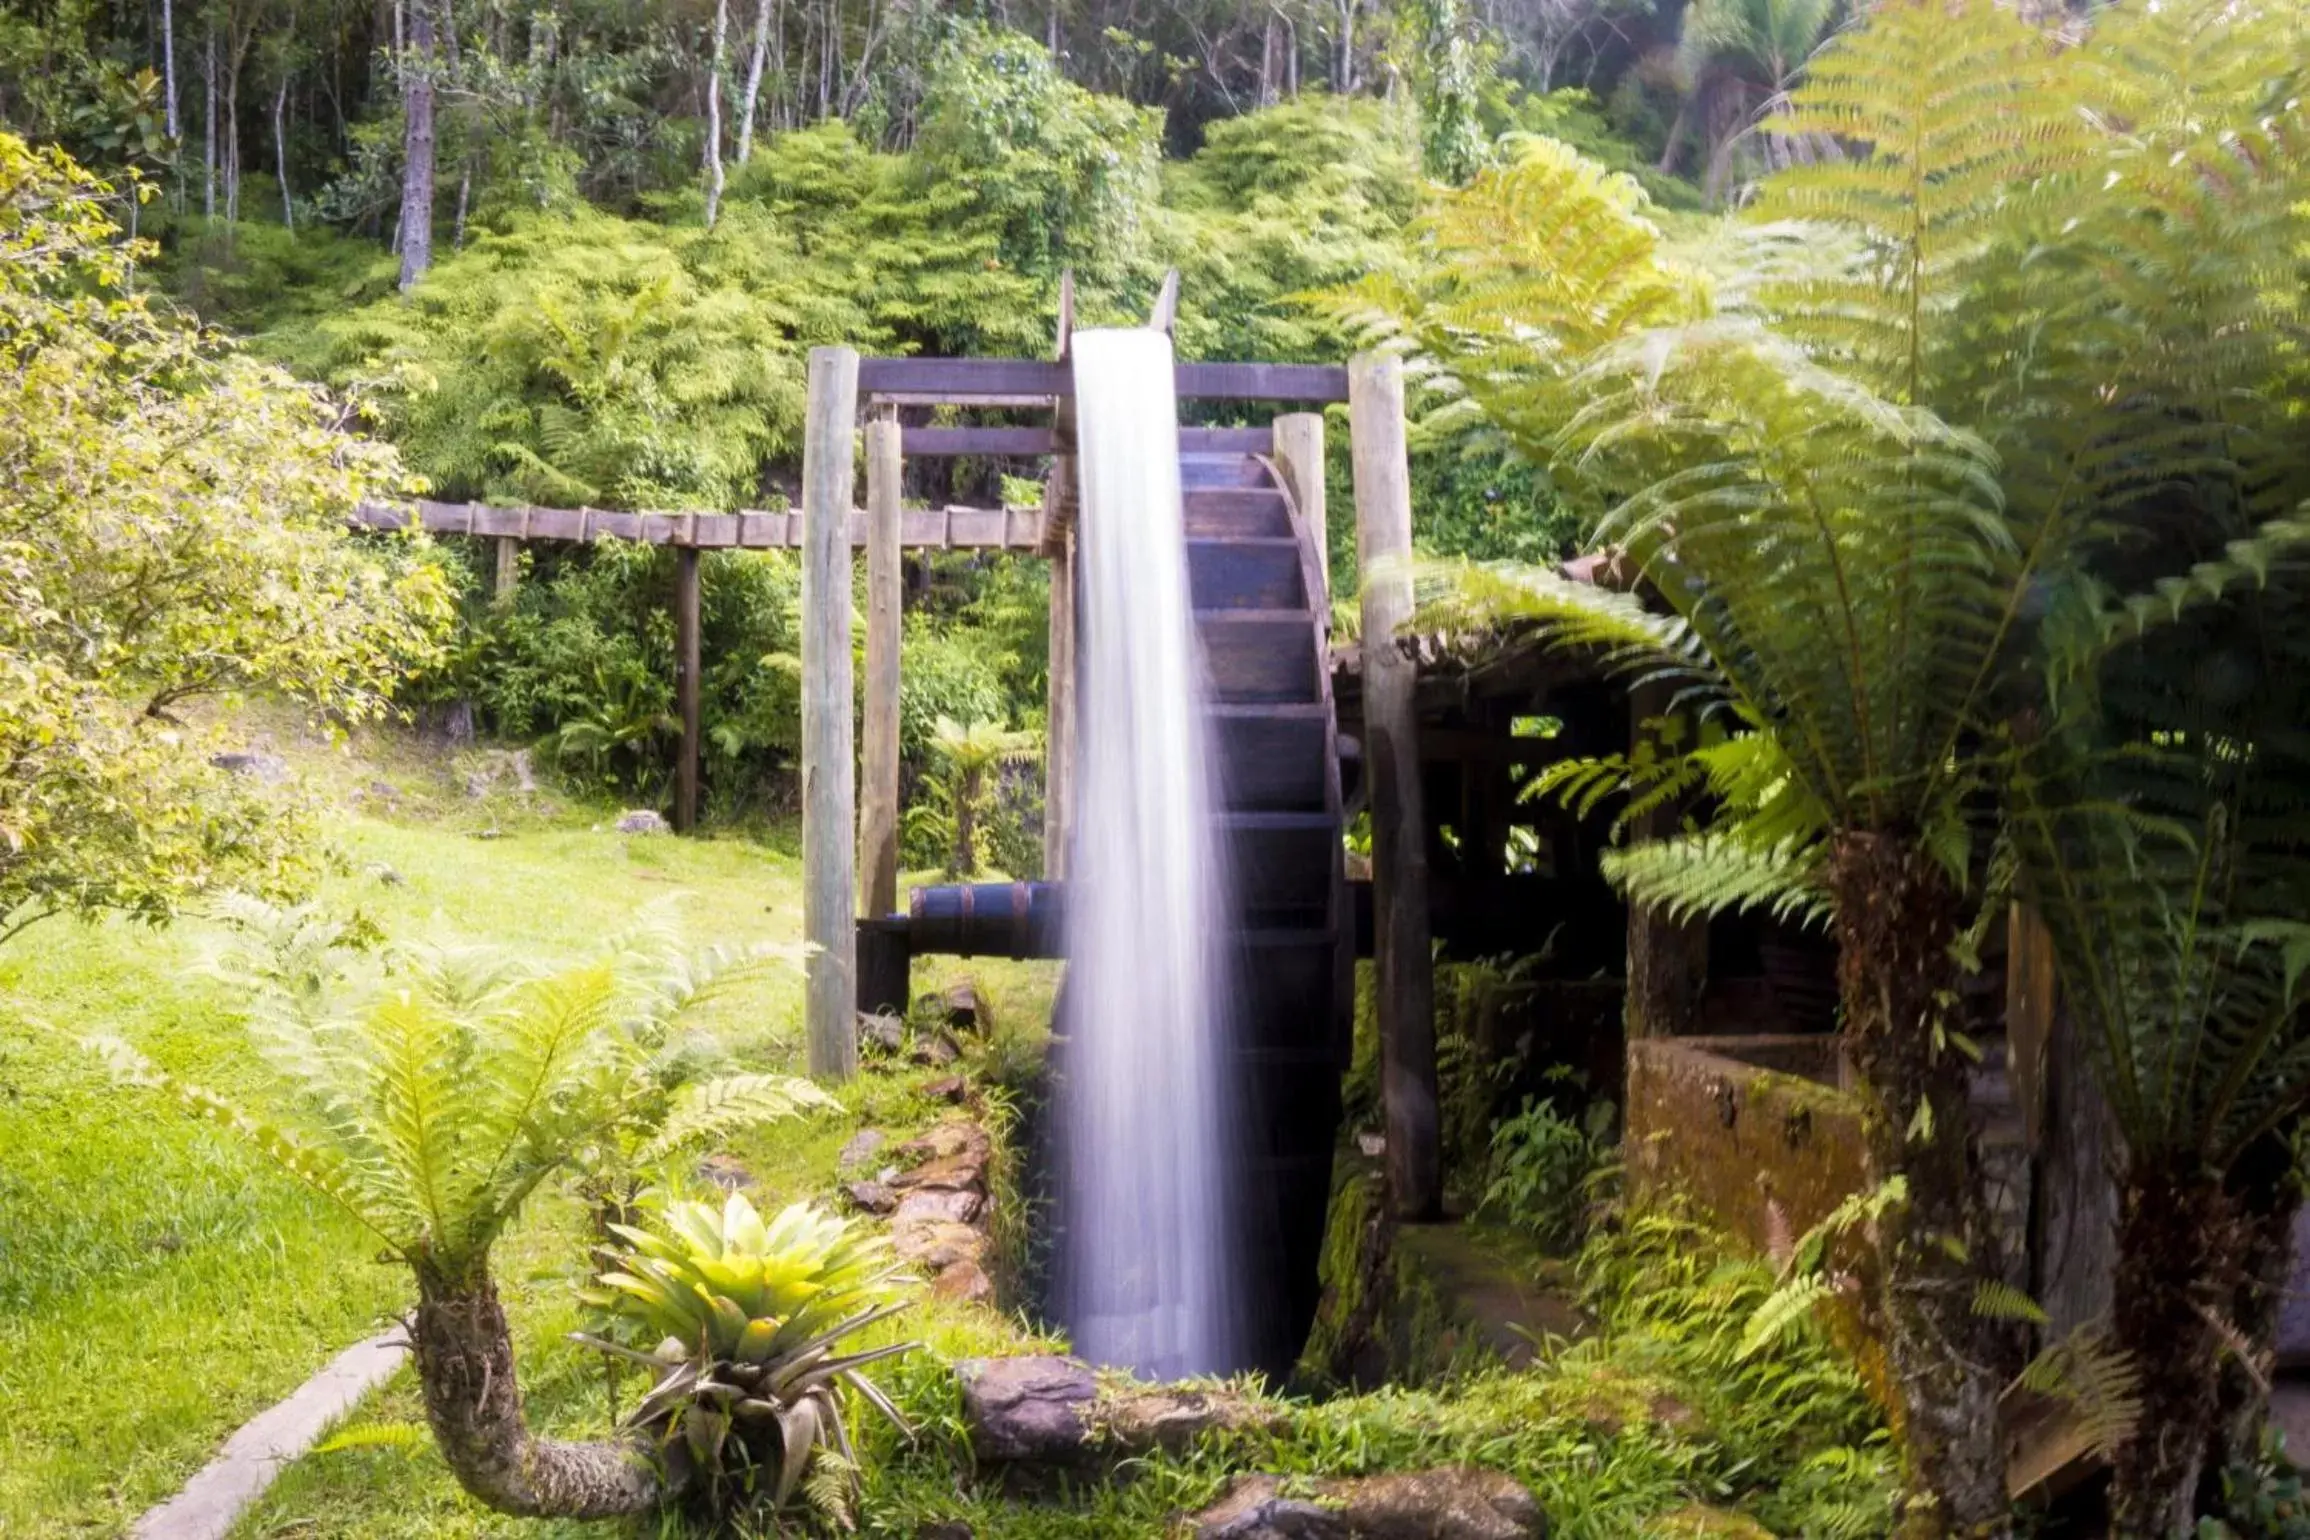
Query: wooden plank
[
  {"x": 508, "y": 569},
  {"x": 979, "y": 441},
  {"x": 878, "y": 818},
  {"x": 1299, "y": 455},
  {"x": 1406, "y": 995},
  {"x": 1025, "y": 442},
  {"x": 1226, "y": 441},
  {"x": 1245, "y": 575},
  {"x": 1004, "y": 529},
  {"x": 1059, "y": 711},
  {"x": 1018, "y": 380},
  {"x": 687, "y": 688},
  {"x": 829, "y": 789}
]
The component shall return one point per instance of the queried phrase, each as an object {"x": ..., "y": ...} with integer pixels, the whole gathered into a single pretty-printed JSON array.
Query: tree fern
[{"x": 430, "y": 1097}]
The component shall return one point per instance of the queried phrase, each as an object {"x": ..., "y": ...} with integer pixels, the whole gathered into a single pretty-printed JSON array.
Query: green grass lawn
[{"x": 159, "y": 1284}]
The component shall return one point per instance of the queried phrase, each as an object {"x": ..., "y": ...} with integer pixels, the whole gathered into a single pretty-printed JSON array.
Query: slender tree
[
  {"x": 714, "y": 113},
  {"x": 281, "y": 152},
  {"x": 754, "y": 63},
  {"x": 417, "y": 146}
]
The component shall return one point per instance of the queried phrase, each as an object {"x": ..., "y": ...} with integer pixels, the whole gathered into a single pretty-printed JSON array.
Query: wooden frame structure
[{"x": 850, "y": 800}]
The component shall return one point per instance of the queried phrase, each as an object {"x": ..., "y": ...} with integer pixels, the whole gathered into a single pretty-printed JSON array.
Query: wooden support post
[
  {"x": 687, "y": 687},
  {"x": 878, "y": 818},
  {"x": 829, "y": 772},
  {"x": 508, "y": 568},
  {"x": 1299, "y": 454},
  {"x": 1667, "y": 957},
  {"x": 1406, "y": 996},
  {"x": 1059, "y": 712}
]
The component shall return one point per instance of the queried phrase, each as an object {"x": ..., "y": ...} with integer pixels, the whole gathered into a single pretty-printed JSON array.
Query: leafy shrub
[
  {"x": 583, "y": 660},
  {"x": 2262, "y": 1499},
  {"x": 746, "y": 1319},
  {"x": 1539, "y": 1173}
]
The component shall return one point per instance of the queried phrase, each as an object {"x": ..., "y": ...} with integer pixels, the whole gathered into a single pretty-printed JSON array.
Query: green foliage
[
  {"x": 580, "y": 359},
  {"x": 582, "y": 660},
  {"x": 971, "y": 753},
  {"x": 1542, "y": 1164},
  {"x": 746, "y": 1318},
  {"x": 2262, "y": 1499},
  {"x": 1066, "y": 176},
  {"x": 428, "y": 1095},
  {"x": 171, "y": 528}
]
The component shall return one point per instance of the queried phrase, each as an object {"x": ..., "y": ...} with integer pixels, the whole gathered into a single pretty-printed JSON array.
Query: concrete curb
[{"x": 253, "y": 1456}]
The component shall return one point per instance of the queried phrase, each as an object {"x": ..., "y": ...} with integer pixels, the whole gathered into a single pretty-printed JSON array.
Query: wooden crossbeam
[
  {"x": 936, "y": 442},
  {"x": 984, "y": 381},
  {"x": 945, "y": 529}
]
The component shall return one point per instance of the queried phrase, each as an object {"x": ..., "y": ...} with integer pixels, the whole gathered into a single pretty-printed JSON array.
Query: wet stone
[
  {"x": 1453, "y": 1503},
  {"x": 725, "y": 1172},
  {"x": 937, "y": 1245},
  {"x": 870, "y": 1197},
  {"x": 861, "y": 1148},
  {"x": 938, "y": 1206},
  {"x": 642, "y": 821},
  {"x": 952, "y": 1089},
  {"x": 964, "y": 1283},
  {"x": 955, "y": 1173}
]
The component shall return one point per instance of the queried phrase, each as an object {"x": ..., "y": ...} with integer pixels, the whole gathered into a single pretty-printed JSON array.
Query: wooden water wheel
[{"x": 1257, "y": 591}]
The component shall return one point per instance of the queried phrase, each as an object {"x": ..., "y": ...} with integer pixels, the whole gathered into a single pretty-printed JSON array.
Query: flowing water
[{"x": 1149, "y": 1276}]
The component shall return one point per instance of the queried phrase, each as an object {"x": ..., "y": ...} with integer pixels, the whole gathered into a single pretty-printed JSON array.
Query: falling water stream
[{"x": 1150, "y": 1282}]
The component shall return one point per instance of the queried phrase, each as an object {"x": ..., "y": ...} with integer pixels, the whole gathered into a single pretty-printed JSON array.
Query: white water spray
[{"x": 1150, "y": 1276}]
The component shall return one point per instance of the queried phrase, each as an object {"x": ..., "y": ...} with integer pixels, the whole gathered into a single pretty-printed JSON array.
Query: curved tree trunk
[
  {"x": 1897, "y": 915},
  {"x": 465, "y": 1362},
  {"x": 2178, "y": 1244}
]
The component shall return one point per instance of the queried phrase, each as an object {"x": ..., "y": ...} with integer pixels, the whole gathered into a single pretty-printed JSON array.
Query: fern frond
[
  {"x": 1704, "y": 875},
  {"x": 715, "y": 1109}
]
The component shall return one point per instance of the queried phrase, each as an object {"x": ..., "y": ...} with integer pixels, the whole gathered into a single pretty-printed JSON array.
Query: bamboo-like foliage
[{"x": 431, "y": 1093}]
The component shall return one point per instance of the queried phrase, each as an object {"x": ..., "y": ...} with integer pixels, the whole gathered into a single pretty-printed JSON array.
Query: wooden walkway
[{"x": 945, "y": 529}]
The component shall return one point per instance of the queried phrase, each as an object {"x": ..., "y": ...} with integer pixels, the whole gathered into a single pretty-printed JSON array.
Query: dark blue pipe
[{"x": 986, "y": 919}]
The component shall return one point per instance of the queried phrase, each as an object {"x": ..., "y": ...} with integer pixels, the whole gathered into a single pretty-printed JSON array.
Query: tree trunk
[
  {"x": 2179, "y": 1238},
  {"x": 967, "y": 790},
  {"x": 465, "y": 1362},
  {"x": 754, "y": 80},
  {"x": 1897, "y": 915},
  {"x": 168, "y": 66},
  {"x": 2267, "y": 1187},
  {"x": 209, "y": 127},
  {"x": 714, "y": 114},
  {"x": 281, "y": 153},
  {"x": 417, "y": 148}
]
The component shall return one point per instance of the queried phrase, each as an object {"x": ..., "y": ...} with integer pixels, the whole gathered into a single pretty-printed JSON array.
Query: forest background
[{"x": 573, "y": 252}]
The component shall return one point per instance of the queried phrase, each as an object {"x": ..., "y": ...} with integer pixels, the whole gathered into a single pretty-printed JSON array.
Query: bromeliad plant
[
  {"x": 748, "y": 1316},
  {"x": 1861, "y": 446},
  {"x": 430, "y": 1094}
]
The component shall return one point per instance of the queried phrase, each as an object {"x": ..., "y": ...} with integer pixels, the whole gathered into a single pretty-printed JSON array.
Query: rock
[
  {"x": 966, "y": 1283},
  {"x": 725, "y": 1172},
  {"x": 641, "y": 820},
  {"x": 1372, "y": 1145},
  {"x": 1030, "y": 1407},
  {"x": 870, "y": 1197},
  {"x": 955, "y": 1136},
  {"x": 861, "y": 1148},
  {"x": 1453, "y": 1503},
  {"x": 952, "y": 1089},
  {"x": 886, "y": 1034},
  {"x": 935, "y": 1049},
  {"x": 1052, "y": 1410},
  {"x": 451, "y": 723},
  {"x": 936, "y": 1246},
  {"x": 942, "y": 1529},
  {"x": 386, "y": 875},
  {"x": 486, "y": 771},
  {"x": 966, "y": 1172},
  {"x": 257, "y": 765},
  {"x": 966, "y": 1009},
  {"x": 935, "y": 1206}
]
